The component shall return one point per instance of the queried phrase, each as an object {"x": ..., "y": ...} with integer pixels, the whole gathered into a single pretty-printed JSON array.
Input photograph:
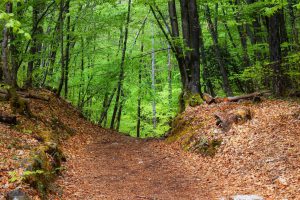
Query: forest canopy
[{"x": 132, "y": 65}]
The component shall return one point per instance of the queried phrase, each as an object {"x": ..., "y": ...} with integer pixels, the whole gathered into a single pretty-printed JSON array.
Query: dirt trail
[{"x": 112, "y": 166}]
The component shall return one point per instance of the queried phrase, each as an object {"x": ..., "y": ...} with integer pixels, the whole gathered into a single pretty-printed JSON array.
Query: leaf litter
[{"x": 260, "y": 157}]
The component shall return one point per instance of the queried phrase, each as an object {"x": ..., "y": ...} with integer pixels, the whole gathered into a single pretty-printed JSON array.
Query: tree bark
[
  {"x": 153, "y": 85},
  {"x": 243, "y": 37},
  {"x": 106, "y": 107},
  {"x": 62, "y": 76},
  {"x": 121, "y": 76},
  {"x": 68, "y": 46},
  {"x": 208, "y": 86},
  {"x": 34, "y": 49},
  {"x": 295, "y": 32},
  {"x": 257, "y": 30},
  {"x": 275, "y": 53},
  {"x": 8, "y": 119},
  {"x": 139, "y": 109},
  {"x": 221, "y": 62},
  {"x": 189, "y": 59},
  {"x": 170, "y": 96},
  {"x": 5, "y": 48}
]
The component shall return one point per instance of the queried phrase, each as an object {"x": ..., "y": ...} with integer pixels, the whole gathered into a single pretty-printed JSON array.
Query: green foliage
[{"x": 96, "y": 39}]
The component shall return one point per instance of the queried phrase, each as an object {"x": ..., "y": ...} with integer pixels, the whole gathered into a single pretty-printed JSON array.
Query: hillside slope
[
  {"x": 258, "y": 157},
  {"x": 30, "y": 152},
  {"x": 261, "y": 156}
]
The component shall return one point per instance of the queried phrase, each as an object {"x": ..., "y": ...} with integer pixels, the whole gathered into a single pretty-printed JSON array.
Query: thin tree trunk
[
  {"x": 119, "y": 115},
  {"x": 175, "y": 36},
  {"x": 207, "y": 82},
  {"x": 153, "y": 85},
  {"x": 121, "y": 77},
  {"x": 170, "y": 96},
  {"x": 106, "y": 107},
  {"x": 81, "y": 74},
  {"x": 221, "y": 62},
  {"x": 295, "y": 32},
  {"x": 68, "y": 45},
  {"x": 257, "y": 30},
  {"x": 228, "y": 30},
  {"x": 5, "y": 47},
  {"x": 62, "y": 76},
  {"x": 243, "y": 38},
  {"x": 34, "y": 45},
  {"x": 139, "y": 110}
]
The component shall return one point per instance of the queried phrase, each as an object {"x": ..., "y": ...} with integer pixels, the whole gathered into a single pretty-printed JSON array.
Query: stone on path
[
  {"x": 244, "y": 197},
  {"x": 17, "y": 195},
  {"x": 247, "y": 197}
]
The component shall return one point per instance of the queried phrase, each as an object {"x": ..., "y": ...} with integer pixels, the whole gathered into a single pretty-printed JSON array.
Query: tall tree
[
  {"x": 61, "y": 22},
  {"x": 274, "y": 26},
  {"x": 188, "y": 57},
  {"x": 221, "y": 62},
  {"x": 121, "y": 76},
  {"x": 153, "y": 84},
  {"x": 7, "y": 38}
]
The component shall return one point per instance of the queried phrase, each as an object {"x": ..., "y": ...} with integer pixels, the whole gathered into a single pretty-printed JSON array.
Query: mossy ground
[{"x": 34, "y": 142}]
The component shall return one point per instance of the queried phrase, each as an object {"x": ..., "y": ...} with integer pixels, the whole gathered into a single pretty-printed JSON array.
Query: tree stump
[{"x": 238, "y": 116}]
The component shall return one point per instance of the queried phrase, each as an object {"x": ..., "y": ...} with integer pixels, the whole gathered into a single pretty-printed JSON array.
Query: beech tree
[{"x": 100, "y": 55}]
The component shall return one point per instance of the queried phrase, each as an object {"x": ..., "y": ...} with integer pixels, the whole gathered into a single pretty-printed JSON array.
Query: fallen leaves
[{"x": 260, "y": 156}]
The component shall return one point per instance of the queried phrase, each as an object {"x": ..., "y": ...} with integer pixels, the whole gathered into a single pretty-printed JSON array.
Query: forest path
[{"x": 111, "y": 166}]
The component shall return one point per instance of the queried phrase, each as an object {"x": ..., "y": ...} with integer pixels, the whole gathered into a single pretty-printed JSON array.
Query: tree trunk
[
  {"x": 221, "y": 62},
  {"x": 62, "y": 76},
  {"x": 68, "y": 45},
  {"x": 188, "y": 60},
  {"x": 106, "y": 107},
  {"x": 82, "y": 79},
  {"x": 36, "y": 30},
  {"x": 170, "y": 96},
  {"x": 139, "y": 110},
  {"x": 257, "y": 30},
  {"x": 5, "y": 47},
  {"x": 121, "y": 76},
  {"x": 153, "y": 85},
  {"x": 207, "y": 82},
  {"x": 275, "y": 52},
  {"x": 175, "y": 37},
  {"x": 191, "y": 31},
  {"x": 295, "y": 32},
  {"x": 243, "y": 38},
  {"x": 119, "y": 115}
]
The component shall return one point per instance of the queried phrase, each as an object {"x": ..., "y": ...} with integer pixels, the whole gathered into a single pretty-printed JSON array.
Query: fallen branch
[
  {"x": 4, "y": 94},
  {"x": 256, "y": 97},
  {"x": 8, "y": 119},
  {"x": 33, "y": 96},
  {"x": 4, "y": 97}
]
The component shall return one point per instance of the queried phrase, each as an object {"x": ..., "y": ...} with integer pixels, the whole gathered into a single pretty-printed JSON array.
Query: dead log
[
  {"x": 26, "y": 95},
  {"x": 4, "y": 97},
  {"x": 255, "y": 97},
  {"x": 31, "y": 95},
  {"x": 252, "y": 96},
  {"x": 3, "y": 91},
  {"x": 208, "y": 98},
  {"x": 8, "y": 119},
  {"x": 238, "y": 116}
]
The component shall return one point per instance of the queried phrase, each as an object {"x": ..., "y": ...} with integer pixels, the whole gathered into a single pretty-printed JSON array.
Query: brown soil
[
  {"x": 259, "y": 157},
  {"x": 112, "y": 166}
]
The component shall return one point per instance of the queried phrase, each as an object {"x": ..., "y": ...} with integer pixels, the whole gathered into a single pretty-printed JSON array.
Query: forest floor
[{"x": 260, "y": 157}]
